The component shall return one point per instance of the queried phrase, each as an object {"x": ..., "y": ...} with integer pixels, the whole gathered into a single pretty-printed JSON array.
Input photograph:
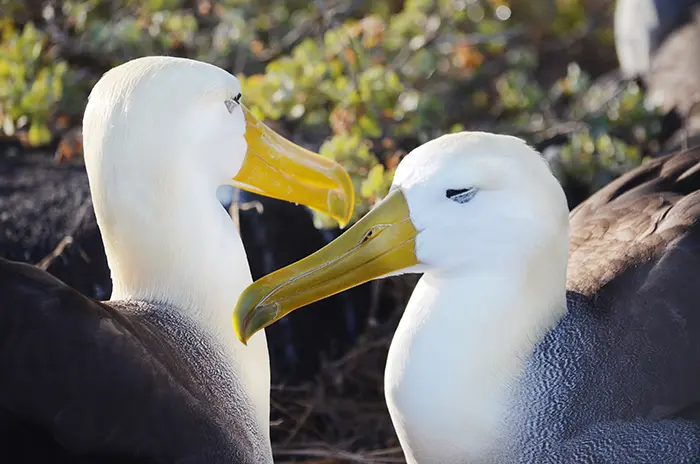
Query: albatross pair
[
  {"x": 534, "y": 335},
  {"x": 156, "y": 374}
]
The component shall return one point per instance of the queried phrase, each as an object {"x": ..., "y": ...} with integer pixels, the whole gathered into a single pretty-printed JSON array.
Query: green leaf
[{"x": 39, "y": 134}]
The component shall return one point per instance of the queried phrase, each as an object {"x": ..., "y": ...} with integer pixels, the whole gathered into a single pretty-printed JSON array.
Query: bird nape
[
  {"x": 533, "y": 335},
  {"x": 156, "y": 374}
]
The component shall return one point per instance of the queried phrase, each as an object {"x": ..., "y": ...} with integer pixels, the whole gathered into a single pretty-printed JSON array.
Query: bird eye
[
  {"x": 233, "y": 102},
  {"x": 460, "y": 195}
]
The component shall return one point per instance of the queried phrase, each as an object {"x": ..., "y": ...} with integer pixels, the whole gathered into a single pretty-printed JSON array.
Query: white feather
[
  {"x": 494, "y": 283},
  {"x": 159, "y": 141}
]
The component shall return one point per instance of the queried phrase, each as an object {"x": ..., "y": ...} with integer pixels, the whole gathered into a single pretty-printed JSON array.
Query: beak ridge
[{"x": 379, "y": 244}]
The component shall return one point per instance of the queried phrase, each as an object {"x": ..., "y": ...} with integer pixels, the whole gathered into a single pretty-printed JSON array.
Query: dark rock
[{"x": 43, "y": 204}]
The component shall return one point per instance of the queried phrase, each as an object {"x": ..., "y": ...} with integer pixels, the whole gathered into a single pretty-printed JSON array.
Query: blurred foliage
[
  {"x": 31, "y": 83},
  {"x": 363, "y": 82}
]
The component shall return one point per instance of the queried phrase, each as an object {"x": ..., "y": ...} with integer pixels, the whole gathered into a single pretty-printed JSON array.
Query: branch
[
  {"x": 68, "y": 237},
  {"x": 311, "y": 26},
  {"x": 345, "y": 456}
]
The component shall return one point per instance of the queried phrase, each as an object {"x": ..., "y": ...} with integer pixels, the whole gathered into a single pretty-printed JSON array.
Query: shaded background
[{"x": 362, "y": 82}]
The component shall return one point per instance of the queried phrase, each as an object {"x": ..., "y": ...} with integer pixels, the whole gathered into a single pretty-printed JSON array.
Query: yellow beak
[
  {"x": 278, "y": 168},
  {"x": 380, "y": 243}
]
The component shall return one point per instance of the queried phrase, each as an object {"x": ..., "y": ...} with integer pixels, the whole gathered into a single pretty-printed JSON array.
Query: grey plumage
[
  {"x": 90, "y": 382},
  {"x": 613, "y": 382}
]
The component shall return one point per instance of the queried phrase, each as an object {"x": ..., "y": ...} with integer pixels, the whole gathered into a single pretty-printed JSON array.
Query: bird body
[
  {"x": 155, "y": 374},
  {"x": 641, "y": 27},
  {"x": 658, "y": 44},
  {"x": 120, "y": 380},
  {"x": 533, "y": 336}
]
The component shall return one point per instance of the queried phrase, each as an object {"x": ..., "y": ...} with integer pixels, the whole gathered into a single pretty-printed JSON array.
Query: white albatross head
[
  {"x": 161, "y": 134},
  {"x": 463, "y": 202}
]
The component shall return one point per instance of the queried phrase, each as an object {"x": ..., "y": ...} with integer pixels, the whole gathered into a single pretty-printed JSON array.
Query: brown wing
[
  {"x": 638, "y": 219},
  {"x": 645, "y": 217}
]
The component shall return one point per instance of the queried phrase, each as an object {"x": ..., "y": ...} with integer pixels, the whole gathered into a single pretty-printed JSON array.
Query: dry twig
[{"x": 67, "y": 238}]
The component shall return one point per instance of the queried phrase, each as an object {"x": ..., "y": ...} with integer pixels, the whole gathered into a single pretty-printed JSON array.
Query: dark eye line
[
  {"x": 233, "y": 102},
  {"x": 454, "y": 192},
  {"x": 460, "y": 195}
]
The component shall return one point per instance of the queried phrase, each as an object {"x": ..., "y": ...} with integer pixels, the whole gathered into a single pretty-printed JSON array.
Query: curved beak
[
  {"x": 379, "y": 244},
  {"x": 278, "y": 168}
]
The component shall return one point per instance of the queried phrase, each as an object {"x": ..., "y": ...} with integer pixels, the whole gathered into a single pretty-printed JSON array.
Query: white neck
[
  {"x": 182, "y": 248},
  {"x": 459, "y": 351}
]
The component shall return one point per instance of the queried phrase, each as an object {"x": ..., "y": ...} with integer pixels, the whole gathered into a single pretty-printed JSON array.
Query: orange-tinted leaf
[
  {"x": 257, "y": 47},
  {"x": 467, "y": 57},
  {"x": 204, "y": 8},
  {"x": 341, "y": 120},
  {"x": 350, "y": 56}
]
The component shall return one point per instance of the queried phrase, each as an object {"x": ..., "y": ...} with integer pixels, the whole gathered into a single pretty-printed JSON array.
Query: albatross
[
  {"x": 658, "y": 43},
  {"x": 156, "y": 374},
  {"x": 534, "y": 335}
]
